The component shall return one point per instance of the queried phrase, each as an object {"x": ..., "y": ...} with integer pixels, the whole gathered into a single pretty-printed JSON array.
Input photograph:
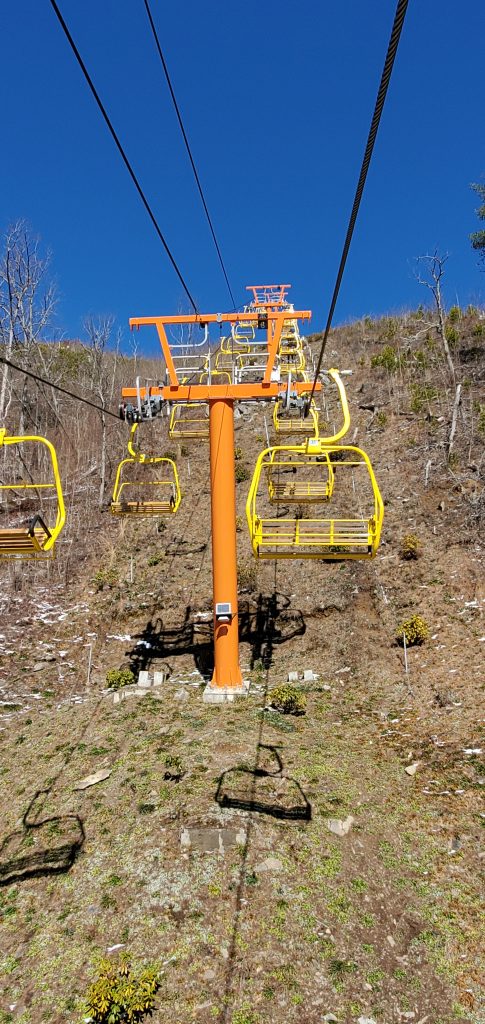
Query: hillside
[{"x": 207, "y": 849}]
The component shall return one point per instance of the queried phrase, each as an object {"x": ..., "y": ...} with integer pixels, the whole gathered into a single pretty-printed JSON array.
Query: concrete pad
[
  {"x": 224, "y": 694},
  {"x": 144, "y": 679},
  {"x": 211, "y": 840}
]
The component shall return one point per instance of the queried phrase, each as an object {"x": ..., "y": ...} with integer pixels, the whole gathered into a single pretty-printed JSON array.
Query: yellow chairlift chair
[
  {"x": 291, "y": 420},
  {"x": 298, "y": 478},
  {"x": 189, "y": 421},
  {"x": 36, "y": 537},
  {"x": 350, "y": 533},
  {"x": 137, "y": 473}
]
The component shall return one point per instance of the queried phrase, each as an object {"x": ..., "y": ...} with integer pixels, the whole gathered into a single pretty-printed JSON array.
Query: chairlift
[
  {"x": 36, "y": 536},
  {"x": 344, "y": 535},
  {"x": 290, "y": 419},
  {"x": 137, "y": 473},
  {"x": 298, "y": 479},
  {"x": 189, "y": 421}
]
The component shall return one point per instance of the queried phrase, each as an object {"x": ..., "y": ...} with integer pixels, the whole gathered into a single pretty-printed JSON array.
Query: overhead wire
[
  {"x": 57, "y": 387},
  {"x": 376, "y": 117},
  {"x": 122, "y": 153},
  {"x": 187, "y": 146}
]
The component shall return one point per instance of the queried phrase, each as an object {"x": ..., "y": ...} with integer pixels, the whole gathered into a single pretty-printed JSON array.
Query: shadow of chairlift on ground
[
  {"x": 264, "y": 623},
  {"x": 46, "y": 847},
  {"x": 264, "y": 790}
]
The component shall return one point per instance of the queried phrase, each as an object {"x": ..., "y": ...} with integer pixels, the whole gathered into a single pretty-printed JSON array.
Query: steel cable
[
  {"x": 381, "y": 97},
  {"x": 122, "y": 153},
  {"x": 187, "y": 146}
]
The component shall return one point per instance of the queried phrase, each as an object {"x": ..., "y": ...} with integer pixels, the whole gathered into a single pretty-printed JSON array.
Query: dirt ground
[{"x": 224, "y": 870}]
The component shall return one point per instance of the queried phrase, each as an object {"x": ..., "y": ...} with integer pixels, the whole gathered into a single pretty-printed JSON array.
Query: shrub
[
  {"x": 173, "y": 768},
  {"x": 388, "y": 358},
  {"x": 242, "y": 472},
  {"x": 288, "y": 700},
  {"x": 454, "y": 314},
  {"x": 451, "y": 335},
  {"x": 244, "y": 1016},
  {"x": 122, "y": 993},
  {"x": 184, "y": 450},
  {"x": 478, "y": 330},
  {"x": 481, "y": 419},
  {"x": 238, "y": 453},
  {"x": 118, "y": 677},
  {"x": 105, "y": 578},
  {"x": 247, "y": 576},
  {"x": 415, "y": 629},
  {"x": 170, "y": 455},
  {"x": 421, "y": 395},
  {"x": 381, "y": 419},
  {"x": 419, "y": 358},
  {"x": 409, "y": 547},
  {"x": 155, "y": 559}
]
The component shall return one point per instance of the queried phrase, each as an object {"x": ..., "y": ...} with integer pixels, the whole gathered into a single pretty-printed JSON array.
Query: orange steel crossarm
[
  {"x": 206, "y": 392},
  {"x": 275, "y": 324}
]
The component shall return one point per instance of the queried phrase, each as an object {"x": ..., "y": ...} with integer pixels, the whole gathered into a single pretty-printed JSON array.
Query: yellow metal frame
[
  {"x": 285, "y": 464},
  {"x": 166, "y": 506},
  {"x": 292, "y": 362},
  {"x": 330, "y": 539},
  {"x": 284, "y": 423},
  {"x": 37, "y": 538},
  {"x": 191, "y": 427},
  {"x": 216, "y": 376},
  {"x": 229, "y": 346},
  {"x": 243, "y": 331}
]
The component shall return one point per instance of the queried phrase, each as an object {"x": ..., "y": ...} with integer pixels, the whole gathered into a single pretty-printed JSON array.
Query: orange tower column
[{"x": 227, "y": 674}]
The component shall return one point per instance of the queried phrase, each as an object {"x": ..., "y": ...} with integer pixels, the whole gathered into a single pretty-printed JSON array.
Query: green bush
[
  {"x": 451, "y": 335},
  {"x": 122, "y": 994},
  {"x": 244, "y": 1016},
  {"x": 478, "y": 330},
  {"x": 419, "y": 358},
  {"x": 118, "y": 677},
  {"x": 454, "y": 315},
  {"x": 242, "y": 472},
  {"x": 155, "y": 559},
  {"x": 174, "y": 768},
  {"x": 288, "y": 700},
  {"x": 388, "y": 358},
  {"x": 238, "y": 453},
  {"x": 415, "y": 629},
  {"x": 409, "y": 547},
  {"x": 422, "y": 395},
  {"x": 481, "y": 419},
  {"x": 105, "y": 578},
  {"x": 247, "y": 576}
]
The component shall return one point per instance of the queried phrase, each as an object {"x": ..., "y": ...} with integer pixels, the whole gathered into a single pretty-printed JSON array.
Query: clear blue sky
[{"x": 277, "y": 99}]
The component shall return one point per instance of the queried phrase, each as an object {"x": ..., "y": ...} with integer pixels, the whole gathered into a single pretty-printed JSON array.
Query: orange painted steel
[
  {"x": 268, "y": 296},
  {"x": 221, "y": 398},
  {"x": 227, "y": 673},
  {"x": 274, "y": 321}
]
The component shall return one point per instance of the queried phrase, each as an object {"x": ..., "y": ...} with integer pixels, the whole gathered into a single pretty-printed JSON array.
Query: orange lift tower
[{"x": 269, "y": 315}]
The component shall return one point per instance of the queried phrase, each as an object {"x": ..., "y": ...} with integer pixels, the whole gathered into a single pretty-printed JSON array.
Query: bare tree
[
  {"x": 26, "y": 303},
  {"x": 430, "y": 276},
  {"x": 103, "y": 364}
]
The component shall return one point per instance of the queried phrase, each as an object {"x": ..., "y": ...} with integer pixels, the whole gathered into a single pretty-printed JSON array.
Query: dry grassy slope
[{"x": 382, "y": 923}]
